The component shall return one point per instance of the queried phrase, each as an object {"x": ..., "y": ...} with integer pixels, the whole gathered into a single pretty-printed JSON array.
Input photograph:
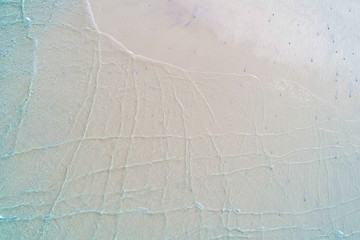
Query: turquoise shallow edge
[
  {"x": 17, "y": 68},
  {"x": 23, "y": 208},
  {"x": 21, "y": 24}
]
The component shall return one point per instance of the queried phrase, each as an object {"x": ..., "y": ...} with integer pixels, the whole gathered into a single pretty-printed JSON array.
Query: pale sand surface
[{"x": 114, "y": 145}]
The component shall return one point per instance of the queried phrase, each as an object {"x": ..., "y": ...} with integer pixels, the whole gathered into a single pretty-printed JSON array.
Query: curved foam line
[{"x": 141, "y": 57}]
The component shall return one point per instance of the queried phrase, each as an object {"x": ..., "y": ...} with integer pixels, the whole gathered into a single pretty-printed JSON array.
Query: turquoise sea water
[{"x": 98, "y": 144}]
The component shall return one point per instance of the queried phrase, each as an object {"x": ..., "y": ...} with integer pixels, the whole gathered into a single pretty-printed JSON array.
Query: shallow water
[{"x": 186, "y": 120}]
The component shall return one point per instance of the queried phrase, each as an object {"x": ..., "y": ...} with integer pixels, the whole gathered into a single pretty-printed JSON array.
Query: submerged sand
[{"x": 232, "y": 141}]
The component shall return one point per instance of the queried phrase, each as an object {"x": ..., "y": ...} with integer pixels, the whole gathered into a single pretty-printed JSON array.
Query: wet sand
[{"x": 153, "y": 124}]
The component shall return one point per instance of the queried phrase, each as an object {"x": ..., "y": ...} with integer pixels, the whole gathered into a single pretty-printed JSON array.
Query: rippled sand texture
[{"x": 99, "y": 143}]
